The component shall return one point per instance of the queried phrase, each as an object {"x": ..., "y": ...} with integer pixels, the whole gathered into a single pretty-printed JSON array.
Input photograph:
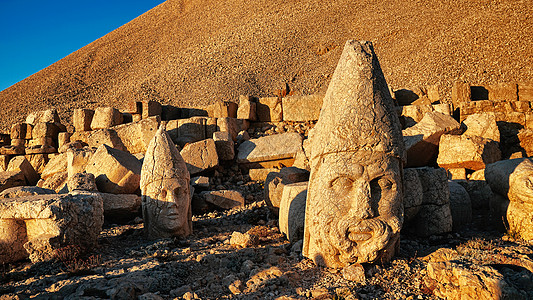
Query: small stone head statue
[
  {"x": 354, "y": 207},
  {"x": 165, "y": 190}
]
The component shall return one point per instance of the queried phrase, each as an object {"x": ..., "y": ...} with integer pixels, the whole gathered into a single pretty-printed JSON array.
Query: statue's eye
[
  {"x": 385, "y": 183},
  {"x": 341, "y": 184},
  {"x": 163, "y": 194}
]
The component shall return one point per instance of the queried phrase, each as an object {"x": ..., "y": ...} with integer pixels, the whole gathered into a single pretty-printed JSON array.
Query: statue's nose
[{"x": 361, "y": 206}]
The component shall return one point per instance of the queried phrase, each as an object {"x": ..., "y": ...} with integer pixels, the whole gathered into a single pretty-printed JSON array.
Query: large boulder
[
  {"x": 469, "y": 152},
  {"x": 277, "y": 180},
  {"x": 483, "y": 125},
  {"x": 200, "y": 156},
  {"x": 460, "y": 205},
  {"x": 270, "y": 150},
  {"x": 292, "y": 211}
]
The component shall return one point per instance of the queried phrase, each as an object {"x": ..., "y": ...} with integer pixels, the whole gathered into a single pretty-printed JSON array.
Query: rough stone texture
[
  {"x": 483, "y": 125},
  {"x": 512, "y": 179},
  {"x": 82, "y": 182},
  {"x": 200, "y": 182},
  {"x": 225, "y": 199},
  {"x": 56, "y": 164},
  {"x": 189, "y": 130},
  {"x": 63, "y": 138},
  {"x": 57, "y": 220},
  {"x": 460, "y": 205},
  {"x": 277, "y": 180},
  {"x": 224, "y": 145},
  {"x": 116, "y": 172},
  {"x": 21, "y": 131},
  {"x": 12, "y": 150},
  {"x": 269, "y": 109},
  {"x": 434, "y": 215},
  {"x": 357, "y": 154},
  {"x": 106, "y": 117},
  {"x": 271, "y": 148},
  {"x": 422, "y": 139},
  {"x": 506, "y": 91},
  {"x": 247, "y": 109},
  {"x": 23, "y": 191},
  {"x": 4, "y": 162},
  {"x": 243, "y": 239},
  {"x": 292, "y": 211},
  {"x": 12, "y": 238},
  {"x": 136, "y": 136},
  {"x": 165, "y": 189},
  {"x": 200, "y": 156},
  {"x": 151, "y": 108},
  {"x": 56, "y": 182},
  {"x": 10, "y": 179},
  {"x": 413, "y": 193},
  {"x": 71, "y": 145},
  {"x": 120, "y": 207},
  {"x": 82, "y": 118},
  {"x": 38, "y": 161},
  {"x": 21, "y": 164},
  {"x": 260, "y": 174},
  {"x": 230, "y": 125},
  {"x": 469, "y": 152},
  {"x": 525, "y": 136},
  {"x": 223, "y": 109},
  {"x": 456, "y": 173},
  {"x": 302, "y": 108},
  {"x": 46, "y": 116},
  {"x": 77, "y": 160},
  {"x": 45, "y": 130},
  {"x": 96, "y": 138},
  {"x": 412, "y": 114}
]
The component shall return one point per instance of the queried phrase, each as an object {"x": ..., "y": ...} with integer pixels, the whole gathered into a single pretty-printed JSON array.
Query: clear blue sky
[{"x": 35, "y": 34}]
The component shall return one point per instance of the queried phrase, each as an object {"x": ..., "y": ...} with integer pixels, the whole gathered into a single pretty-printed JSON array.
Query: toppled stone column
[
  {"x": 354, "y": 207},
  {"x": 165, "y": 190}
]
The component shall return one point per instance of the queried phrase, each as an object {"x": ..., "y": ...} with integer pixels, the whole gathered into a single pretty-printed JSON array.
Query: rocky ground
[{"x": 216, "y": 262}]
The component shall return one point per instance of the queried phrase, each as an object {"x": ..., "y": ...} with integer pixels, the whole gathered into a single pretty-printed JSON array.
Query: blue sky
[{"x": 35, "y": 34}]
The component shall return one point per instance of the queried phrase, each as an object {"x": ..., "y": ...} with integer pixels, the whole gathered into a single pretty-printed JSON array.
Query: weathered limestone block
[
  {"x": 11, "y": 179},
  {"x": 302, "y": 108},
  {"x": 270, "y": 150},
  {"x": 503, "y": 91},
  {"x": 38, "y": 161},
  {"x": 200, "y": 182},
  {"x": 225, "y": 199},
  {"x": 41, "y": 149},
  {"x": 82, "y": 119},
  {"x": 120, "y": 207},
  {"x": 456, "y": 173},
  {"x": 292, "y": 211},
  {"x": 116, "y": 172},
  {"x": 151, "y": 108},
  {"x": 460, "y": 205},
  {"x": 12, "y": 238},
  {"x": 525, "y": 91},
  {"x": 165, "y": 189},
  {"x": 422, "y": 140},
  {"x": 82, "y": 182},
  {"x": 479, "y": 190},
  {"x": 190, "y": 130},
  {"x": 63, "y": 138},
  {"x": 96, "y": 138},
  {"x": 21, "y": 164},
  {"x": 56, "y": 182},
  {"x": 269, "y": 109},
  {"x": 413, "y": 193},
  {"x": 483, "y": 125},
  {"x": 44, "y": 116},
  {"x": 469, "y": 152},
  {"x": 4, "y": 162},
  {"x": 200, "y": 156},
  {"x": 224, "y": 145},
  {"x": 223, "y": 109},
  {"x": 56, "y": 220},
  {"x": 260, "y": 174},
  {"x": 12, "y": 150},
  {"x": 19, "y": 142},
  {"x": 56, "y": 164},
  {"x": 23, "y": 191},
  {"x": 45, "y": 130},
  {"x": 230, "y": 125},
  {"x": 77, "y": 160},
  {"x": 136, "y": 136},
  {"x": 106, "y": 117},
  {"x": 277, "y": 180},
  {"x": 21, "y": 131},
  {"x": 210, "y": 127},
  {"x": 461, "y": 93},
  {"x": 357, "y": 154},
  {"x": 247, "y": 109},
  {"x": 525, "y": 136},
  {"x": 512, "y": 179},
  {"x": 40, "y": 142},
  {"x": 74, "y": 145}
]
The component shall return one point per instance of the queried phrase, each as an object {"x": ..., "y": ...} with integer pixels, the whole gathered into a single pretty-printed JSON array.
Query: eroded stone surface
[
  {"x": 165, "y": 190},
  {"x": 292, "y": 211},
  {"x": 470, "y": 152},
  {"x": 200, "y": 156},
  {"x": 354, "y": 203},
  {"x": 269, "y": 148}
]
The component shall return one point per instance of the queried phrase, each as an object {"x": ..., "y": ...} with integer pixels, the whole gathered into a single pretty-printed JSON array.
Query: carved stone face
[
  {"x": 354, "y": 209},
  {"x": 167, "y": 207}
]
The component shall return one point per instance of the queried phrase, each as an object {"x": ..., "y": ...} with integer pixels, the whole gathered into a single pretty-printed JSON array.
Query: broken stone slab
[
  {"x": 224, "y": 145},
  {"x": 413, "y": 194},
  {"x": 45, "y": 130},
  {"x": 460, "y": 205},
  {"x": 41, "y": 149},
  {"x": 247, "y": 109},
  {"x": 422, "y": 140},
  {"x": 469, "y": 152},
  {"x": 136, "y": 136},
  {"x": 151, "y": 108},
  {"x": 38, "y": 161},
  {"x": 56, "y": 220},
  {"x": 116, "y": 171},
  {"x": 96, "y": 138},
  {"x": 11, "y": 179},
  {"x": 120, "y": 207},
  {"x": 185, "y": 131},
  {"x": 270, "y": 150},
  {"x": 82, "y": 182},
  {"x": 77, "y": 160},
  {"x": 56, "y": 182},
  {"x": 21, "y": 131},
  {"x": 21, "y": 164},
  {"x": 483, "y": 125},
  {"x": 225, "y": 199},
  {"x": 23, "y": 191},
  {"x": 56, "y": 164},
  {"x": 276, "y": 181},
  {"x": 292, "y": 211},
  {"x": 106, "y": 117},
  {"x": 200, "y": 182},
  {"x": 82, "y": 118},
  {"x": 302, "y": 108},
  {"x": 260, "y": 174},
  {"x": 44, "y": 116},
  {"x": 200, "y": 156},
  {"x": 223, "y": 109},
  {"x": 269, "y": 109}
]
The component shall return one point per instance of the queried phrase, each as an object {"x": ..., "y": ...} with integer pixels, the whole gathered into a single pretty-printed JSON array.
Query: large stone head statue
[
  {"x": 354, "y": 207},
  {"x": 166, "y": 201}
]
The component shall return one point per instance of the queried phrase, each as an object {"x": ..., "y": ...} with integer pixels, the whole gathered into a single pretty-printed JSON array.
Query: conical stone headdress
[
  {"x": 162, "y": 160},
  {"x": 358, "y": 113}
]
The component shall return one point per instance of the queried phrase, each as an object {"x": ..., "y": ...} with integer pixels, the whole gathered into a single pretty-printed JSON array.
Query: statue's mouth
[{"x": 360, "y": 235}]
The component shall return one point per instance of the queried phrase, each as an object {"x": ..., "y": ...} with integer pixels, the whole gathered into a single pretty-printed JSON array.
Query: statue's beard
[{"x": 358, "y": 240}]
